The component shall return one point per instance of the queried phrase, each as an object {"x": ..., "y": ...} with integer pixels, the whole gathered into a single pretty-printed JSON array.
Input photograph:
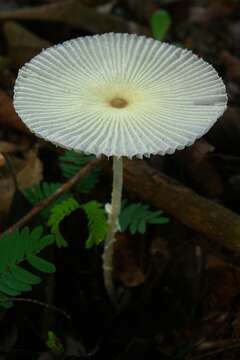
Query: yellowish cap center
[{"x": 118, "y": 103}]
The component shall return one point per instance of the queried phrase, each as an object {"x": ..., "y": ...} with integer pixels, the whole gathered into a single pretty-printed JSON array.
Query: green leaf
[
  {"x": 54, "y": 344},
  {"x": 135, "y": 217},
  {"x": 71, "y": 162},
  {"x": 19, "y": 242},
  {"x": 97, "y": 223},
  {"x": 41, "y": 264},
  {"x": 133, "y": 227},
  {"x": 127, "y": 214},
  {"x": 15, "y": 248},
  {"x": 25, "y": 276},
  {"x": 142, "y": 227},
  {"x": 58, "y": 213},
  {"x": 37, "y": 193},
  {"x": 36, "y": 234},
  {"x": 161, "y": 221},
  {"x": 4, "y": 63},
  {"x": 5, "y": 289},
  {"x": 5, "y": 251},
  {"x": 14, "y": 283},
  {"x": 160, "y": 23},
  {"x": 5, "y": 301},
  {"x": 60, "y": 241},
  {"x": 38, "y": 245}
]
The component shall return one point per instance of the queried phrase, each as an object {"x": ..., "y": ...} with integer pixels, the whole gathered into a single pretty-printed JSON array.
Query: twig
[
  {"x": 63, "y": 189},
  {"x": 11, "y": 170},
  {"x": 41, "y": 303},
  {"x": 231, "y": 347}
]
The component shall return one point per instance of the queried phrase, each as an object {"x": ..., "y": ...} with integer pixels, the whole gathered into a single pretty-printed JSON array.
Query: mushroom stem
[{"x": 113, "y": 226}]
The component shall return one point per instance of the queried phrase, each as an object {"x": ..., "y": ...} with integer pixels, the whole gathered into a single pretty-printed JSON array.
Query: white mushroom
[{"x": 119, "y": 95}]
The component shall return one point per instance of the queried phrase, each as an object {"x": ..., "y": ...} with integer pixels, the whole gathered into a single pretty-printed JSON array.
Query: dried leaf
[
  {"x": 201, "y": 173},
  {"x": 143, "y": 10},
  {"x": 226, "y": 132},
  {"x": 9, "y": 147},
  {"x": 232, "y": 65},
  {"x": 224, "y": 7},
  {"x": 127, "y": 269},
  {"x": 199, "y": 14},
  {"x": 221, "y": 293},
  {"x": 28, "y": 172},
  {"x": 2, "y": 160},
  {"x": 8, "y": 116},
  {"x": 22, "y": 43},
  {"x": 235, "y": 34}
]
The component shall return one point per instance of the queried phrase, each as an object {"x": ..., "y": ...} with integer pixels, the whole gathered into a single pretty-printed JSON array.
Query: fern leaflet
[
  {"x": 97, "y": 223},
  {"x": 134, "y": 217},
  {"x": 96, "y": 220},
  {"x": 16, "y": 248},
  {"x": 58, "y": 213},
  {"x": 39, "y": 192},
  {"x": 71, "y": 162}
]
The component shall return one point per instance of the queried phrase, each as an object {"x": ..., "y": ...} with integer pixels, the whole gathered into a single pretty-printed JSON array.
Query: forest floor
[{"x": 179, "y": 283}]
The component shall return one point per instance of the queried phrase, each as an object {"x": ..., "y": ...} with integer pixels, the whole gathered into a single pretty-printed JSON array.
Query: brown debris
[
  {"x": 225, "y": 133},
  {"x": 72, "y": 13},
  {"x": 84, "y": 171},
  {"x": 226, "y": 289},
  {"x": 203, "y": 175},
  {"x": 126, "y": 267},
  {"x": 8, "y": 116},
  {"x": 232, "y": 65},
  {"x": 2, "y": 160},
  {"x": 200, "y": 214},
  {"x": 22, "y": 43},
  {"x": 28, "y": 171}
]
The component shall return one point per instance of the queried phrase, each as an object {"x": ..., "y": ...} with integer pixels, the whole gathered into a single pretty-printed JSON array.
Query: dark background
[{"x": 181, "y": 291}]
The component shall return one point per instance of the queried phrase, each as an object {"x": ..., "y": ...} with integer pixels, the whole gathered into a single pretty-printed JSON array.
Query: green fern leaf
[
  {"x": 5, "y": 301},
  {"x": 96, "y": 220},
  {"x": 8, "y": 290},
  {"x": 58, "y": 213},
  {"x": 135, "y": 217},
  {"x": 41, "y": 191},
  {"x": 15, "y": 284},
  {"x": 71, "y": 162},
  {"x": 41, "y": 264},
  {"x": 25, "y": 276},
  {"x": 97, "y": 223},
  {"x": 15, "y": 248}
]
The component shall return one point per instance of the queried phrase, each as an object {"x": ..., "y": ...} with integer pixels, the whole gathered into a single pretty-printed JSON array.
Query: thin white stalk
[{"x": 113, "y": 226}]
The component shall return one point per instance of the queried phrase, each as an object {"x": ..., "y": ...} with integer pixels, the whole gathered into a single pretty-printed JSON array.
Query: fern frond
[
  {"x": 58, "y": 213},
  {"x": 135, "y": 217},
  {"x": 16, "y": 248},
  {"x": 71, "y": 162},
  {"x": 97, "y": 223},
  {"x": 5, "y": 301},
  {"x": 39, "y": 192}
]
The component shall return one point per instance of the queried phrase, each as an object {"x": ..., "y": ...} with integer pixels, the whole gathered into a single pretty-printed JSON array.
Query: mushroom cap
[{"x": 119, "y": 94}]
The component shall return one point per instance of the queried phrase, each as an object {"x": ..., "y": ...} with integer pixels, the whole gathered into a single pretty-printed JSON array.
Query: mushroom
[{"x": 119, "y": 95}]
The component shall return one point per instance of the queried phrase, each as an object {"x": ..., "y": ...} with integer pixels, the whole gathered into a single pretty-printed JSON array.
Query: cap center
[{"x": 118, "y": 103}]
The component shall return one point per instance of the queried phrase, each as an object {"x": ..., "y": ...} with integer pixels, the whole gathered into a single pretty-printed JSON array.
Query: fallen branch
[
  {"x": 63, "y": 189},
  {"x": 72, "y": 13},
  {"x": 200, "y": 214}
]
